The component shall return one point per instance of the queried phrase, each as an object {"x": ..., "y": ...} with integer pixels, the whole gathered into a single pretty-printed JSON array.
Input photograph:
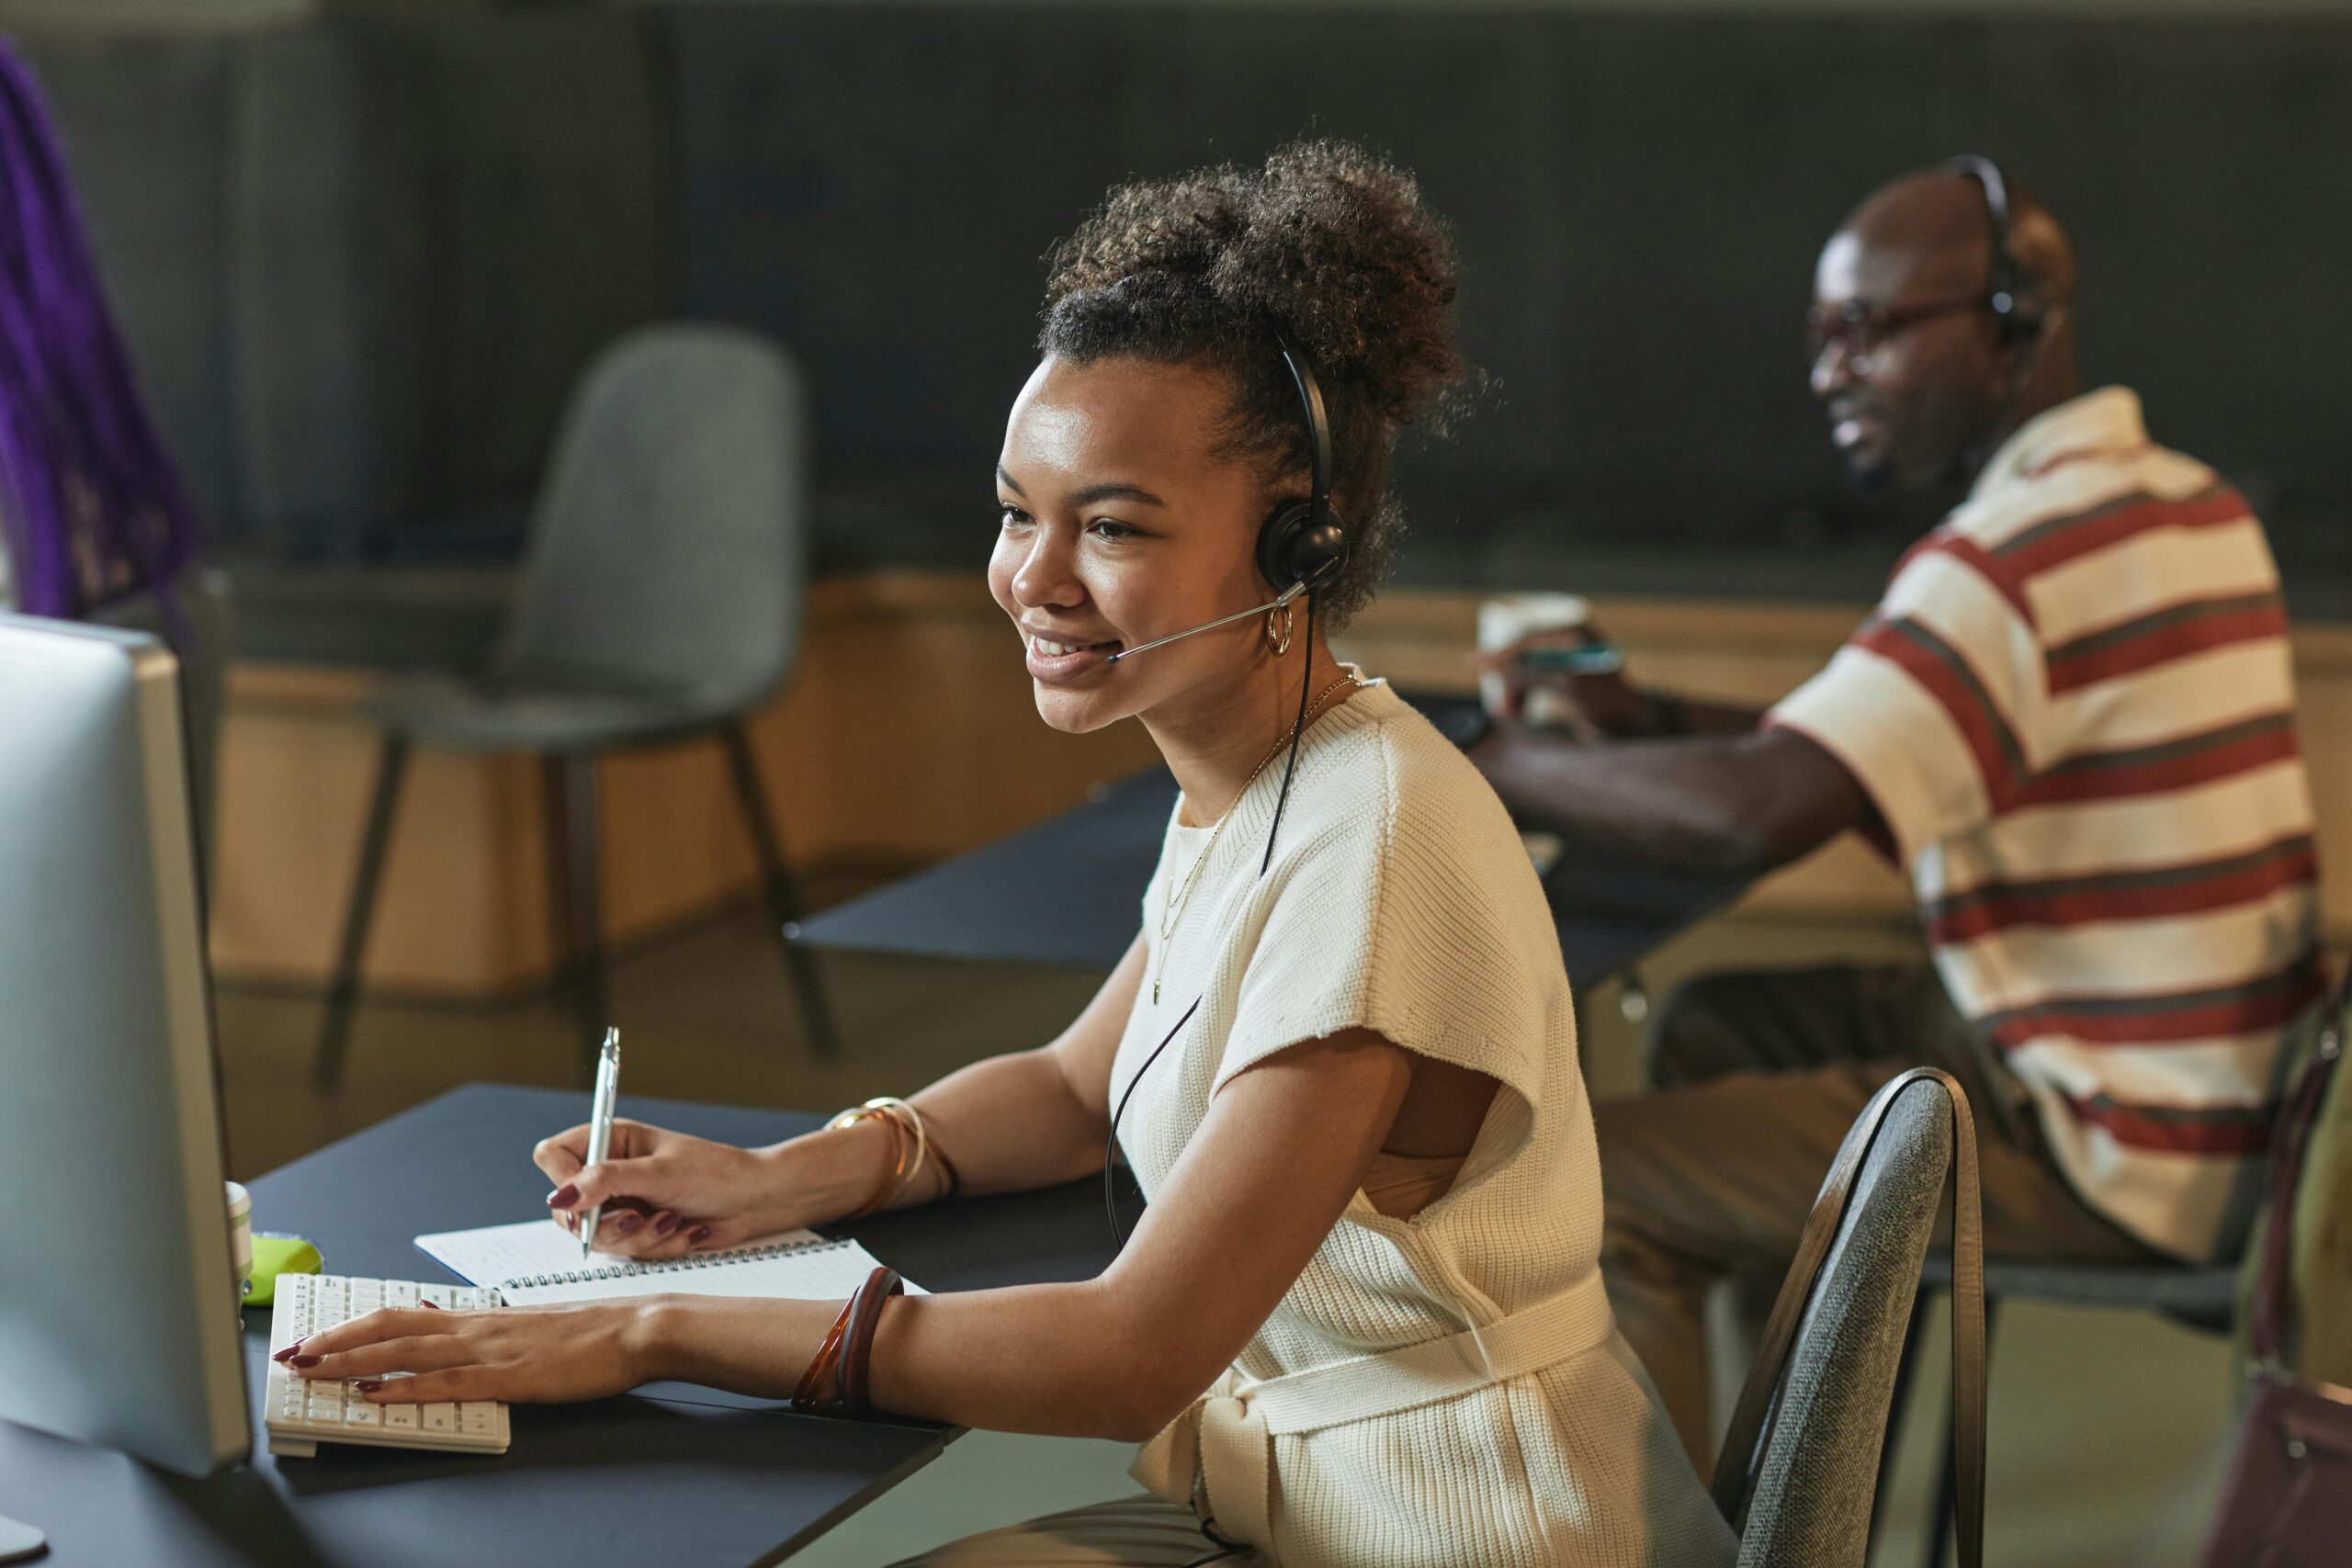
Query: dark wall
[
  {"x": 1639, "y": 203},
  {"x": 361, "y": 264},
  {"x": 1638, "y": 206}
]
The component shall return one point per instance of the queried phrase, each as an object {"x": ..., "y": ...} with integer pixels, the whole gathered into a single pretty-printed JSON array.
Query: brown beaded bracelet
[{"x": 844, "y": 1361}]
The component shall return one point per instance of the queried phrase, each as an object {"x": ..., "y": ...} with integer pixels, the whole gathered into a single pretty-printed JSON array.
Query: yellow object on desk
[{"x": 275, "y": 1255}]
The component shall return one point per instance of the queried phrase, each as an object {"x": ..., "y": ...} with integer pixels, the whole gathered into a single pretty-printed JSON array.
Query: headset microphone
[{"x": 1284, "y": 597}]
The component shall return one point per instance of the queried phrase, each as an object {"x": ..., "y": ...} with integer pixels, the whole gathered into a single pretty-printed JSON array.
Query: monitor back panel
[{"x": 117, "y": 1313}]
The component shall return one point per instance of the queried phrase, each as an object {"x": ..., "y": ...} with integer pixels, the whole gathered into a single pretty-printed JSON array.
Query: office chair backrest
[
  {"x": 1810, "y": 1487},
  {"x": 668, "y": 544}
]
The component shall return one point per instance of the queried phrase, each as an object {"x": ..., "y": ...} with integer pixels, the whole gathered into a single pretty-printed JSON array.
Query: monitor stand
[{"x": 20, "y": 1541}]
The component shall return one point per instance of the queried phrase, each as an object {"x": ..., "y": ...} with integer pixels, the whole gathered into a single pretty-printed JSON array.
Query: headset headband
[
  {"x": 2005, "y": 278},
  {"x": 1319, "y": 432}
]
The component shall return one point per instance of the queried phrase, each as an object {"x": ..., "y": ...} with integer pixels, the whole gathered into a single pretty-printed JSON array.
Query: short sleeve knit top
[{"x": 1400, "y": 900}]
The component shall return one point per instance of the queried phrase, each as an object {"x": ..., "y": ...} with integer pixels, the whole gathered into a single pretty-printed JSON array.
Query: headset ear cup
[
  {"x": 2028, "y": 316},
  {"x": 1317, "y": 552},
  {"x": 2019, "y": 317},
  {"x": 1294, "y": 548}
]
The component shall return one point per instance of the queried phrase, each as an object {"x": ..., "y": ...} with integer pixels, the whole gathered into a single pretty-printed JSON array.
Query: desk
[
  {"x": 1069, "y": 890},
  {"x": 672, "y": 1474}
]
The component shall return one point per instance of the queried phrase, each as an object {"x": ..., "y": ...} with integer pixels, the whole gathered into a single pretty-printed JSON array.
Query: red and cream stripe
[{"x": 2192, "y": 888}]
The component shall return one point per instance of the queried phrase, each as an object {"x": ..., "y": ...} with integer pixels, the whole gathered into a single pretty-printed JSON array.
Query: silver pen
[{"x": 600, "y": 1123}]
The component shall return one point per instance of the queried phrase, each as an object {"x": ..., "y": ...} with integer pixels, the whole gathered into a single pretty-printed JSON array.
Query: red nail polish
[
  {"x": 304, "y": 1360},
  {"x": 666, "y": 1223},
  {"x": 429, "y": 1306},
  {"x": 629, "y": 1223},
  {"x": 368, "y": 1386},
  {"x": 287, "y": 1354},
  {"x": 698, "y": 1236},
  {"x": 564, "y": 1196}
]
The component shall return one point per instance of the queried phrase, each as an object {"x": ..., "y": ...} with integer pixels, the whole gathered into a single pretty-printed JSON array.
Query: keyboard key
[
  {"x": 440, "y": 1417},
  {"x": 437, "y": 1295},
  {"x": 400, "y": 1293},
  {"x": 360, "y": 1413},
  {"x": 399, "y": 1417}
]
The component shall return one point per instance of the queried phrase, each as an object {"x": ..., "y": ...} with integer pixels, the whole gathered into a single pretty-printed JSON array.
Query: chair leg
[
  {"x": 784, "y": 905},
  {"x": 1940, "y": 1521},
  {"x": 343, "y": 993},
  {"x": 586, "y": 917},
  {"x": 1904, "y": 1370}
]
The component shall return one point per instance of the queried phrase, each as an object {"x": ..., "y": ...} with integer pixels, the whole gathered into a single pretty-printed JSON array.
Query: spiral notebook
[{"x": 537, "y": 1263}]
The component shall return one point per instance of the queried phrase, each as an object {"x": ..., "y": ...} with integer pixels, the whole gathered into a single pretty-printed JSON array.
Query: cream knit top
[{"x": 1448, "y": 1389}]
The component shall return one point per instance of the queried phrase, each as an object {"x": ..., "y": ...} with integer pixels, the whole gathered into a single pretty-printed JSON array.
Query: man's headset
[
  {"x": 1301, "y": 545},
  {"x": 2018, "y": 310}
]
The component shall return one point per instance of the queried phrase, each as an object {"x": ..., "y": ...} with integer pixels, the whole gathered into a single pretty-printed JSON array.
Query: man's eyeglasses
[{"x": 1860, "y": 330}]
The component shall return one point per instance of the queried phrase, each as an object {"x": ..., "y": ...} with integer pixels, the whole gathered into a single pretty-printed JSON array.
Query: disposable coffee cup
[
  {"x": 241, "y": 1236},
  {"x": 1504, "y": 620}
]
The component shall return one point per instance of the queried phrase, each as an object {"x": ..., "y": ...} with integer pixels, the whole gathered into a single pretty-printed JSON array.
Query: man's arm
[
  {"x": 1674, "y": 716},
  {"x": 1741, "y": 805}
]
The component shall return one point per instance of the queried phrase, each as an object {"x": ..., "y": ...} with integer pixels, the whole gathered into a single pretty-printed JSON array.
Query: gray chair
[
  {"x": 660, "y": 599},
  {"x": 1799, "y": 1468}
]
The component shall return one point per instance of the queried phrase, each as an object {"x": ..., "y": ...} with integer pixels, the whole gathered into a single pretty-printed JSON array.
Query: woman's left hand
[{"x": 521, "y": 1355}]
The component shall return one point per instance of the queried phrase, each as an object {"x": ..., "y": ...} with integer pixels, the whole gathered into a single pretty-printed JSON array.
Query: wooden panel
[{"x": 907, "y": 735}]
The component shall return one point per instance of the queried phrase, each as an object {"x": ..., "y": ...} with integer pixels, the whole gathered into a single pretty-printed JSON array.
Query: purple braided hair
[{"x": 91, "y": 504}]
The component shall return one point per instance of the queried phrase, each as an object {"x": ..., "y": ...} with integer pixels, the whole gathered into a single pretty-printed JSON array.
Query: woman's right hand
[{"x": 667, "y": 1193}]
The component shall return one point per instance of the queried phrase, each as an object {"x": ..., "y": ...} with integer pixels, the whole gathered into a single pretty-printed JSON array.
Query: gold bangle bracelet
[{"x": 905, "y": 1128}]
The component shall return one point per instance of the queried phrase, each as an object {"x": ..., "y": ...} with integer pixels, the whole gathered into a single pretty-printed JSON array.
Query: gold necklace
[{"x": 1173, "y": 910}]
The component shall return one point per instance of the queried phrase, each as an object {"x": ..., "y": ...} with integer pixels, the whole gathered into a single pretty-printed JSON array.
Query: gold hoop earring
[{"x": 1279, "y": 640}]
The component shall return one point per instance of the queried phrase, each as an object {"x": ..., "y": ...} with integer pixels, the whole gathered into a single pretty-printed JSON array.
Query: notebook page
[
  {"x": 496, "y": 1254},
  {"x": 536, "y": 1263}
]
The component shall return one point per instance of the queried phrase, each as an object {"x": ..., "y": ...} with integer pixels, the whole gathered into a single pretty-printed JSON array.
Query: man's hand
[{"x": 1592, "y": 707}]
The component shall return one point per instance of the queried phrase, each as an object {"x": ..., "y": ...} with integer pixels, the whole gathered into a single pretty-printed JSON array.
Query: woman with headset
[{"x": 1361, "y": 1320}]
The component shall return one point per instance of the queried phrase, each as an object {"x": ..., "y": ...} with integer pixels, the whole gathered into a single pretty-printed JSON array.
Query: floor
[{"x": 2109, "y": 1430}]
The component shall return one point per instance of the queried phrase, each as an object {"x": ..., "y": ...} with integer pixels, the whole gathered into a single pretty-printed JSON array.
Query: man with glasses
[{"x": 2070, "y": 718}]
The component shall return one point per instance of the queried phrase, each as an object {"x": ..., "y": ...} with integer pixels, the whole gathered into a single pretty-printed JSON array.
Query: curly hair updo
[{"x": 1326, "y": 247}]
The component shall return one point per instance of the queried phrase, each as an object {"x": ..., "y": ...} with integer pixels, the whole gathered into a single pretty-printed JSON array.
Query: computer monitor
[{"x": 118, "y": 1291}]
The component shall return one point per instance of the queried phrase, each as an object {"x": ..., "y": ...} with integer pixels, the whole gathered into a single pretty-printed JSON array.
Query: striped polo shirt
[{"x": 2075, "y": 710}]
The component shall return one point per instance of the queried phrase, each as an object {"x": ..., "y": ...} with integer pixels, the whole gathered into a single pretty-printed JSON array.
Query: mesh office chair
[
  {"x": 660, "y": 599},
  {"x": 1799, "y": 1467}
]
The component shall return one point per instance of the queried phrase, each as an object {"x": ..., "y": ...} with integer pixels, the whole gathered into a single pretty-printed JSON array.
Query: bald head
[
  {"x": 1932, "y": 233},
  {"x": 1923, "y": 383}
]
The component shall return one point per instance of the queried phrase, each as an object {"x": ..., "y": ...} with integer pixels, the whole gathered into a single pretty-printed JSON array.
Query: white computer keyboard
[{"x": 304, "y": 1413}]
